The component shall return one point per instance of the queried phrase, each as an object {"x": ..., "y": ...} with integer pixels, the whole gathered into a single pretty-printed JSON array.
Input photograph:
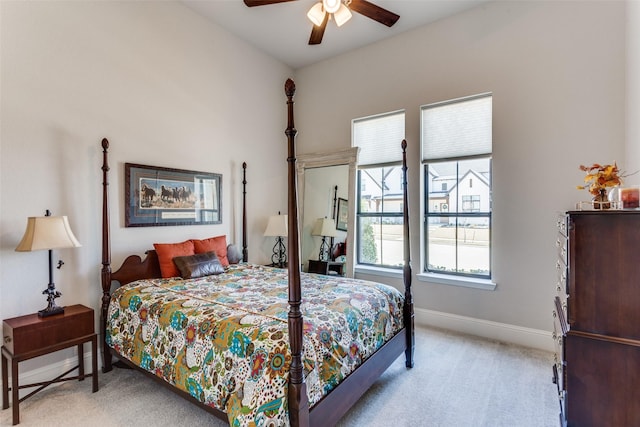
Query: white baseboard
[
  {"x": 49, "y": 372},
  {"x": 527, "y": 337}
]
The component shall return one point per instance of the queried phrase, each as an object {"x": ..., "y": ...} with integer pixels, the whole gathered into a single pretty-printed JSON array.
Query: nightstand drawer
[{"x": 31, "y": 332}]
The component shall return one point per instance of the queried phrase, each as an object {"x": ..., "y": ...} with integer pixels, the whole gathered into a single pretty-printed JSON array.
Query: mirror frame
[{"x": 347, "y": 156}]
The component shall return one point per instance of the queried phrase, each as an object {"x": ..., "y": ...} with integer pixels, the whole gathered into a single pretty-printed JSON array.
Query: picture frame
[
  {"x": 342, "y": 215},
  {"x": 159, "y": 196}
]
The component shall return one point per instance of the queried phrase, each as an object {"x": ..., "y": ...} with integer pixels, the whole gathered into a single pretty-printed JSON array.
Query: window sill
[
  {"x": 442, "y": 279},
  {"x": 467, "y": 282},
  {"x": 378, "y": 271}
]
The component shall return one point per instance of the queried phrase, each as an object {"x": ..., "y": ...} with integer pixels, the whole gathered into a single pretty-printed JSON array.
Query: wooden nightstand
[
  {"x": 326, "y": 267},
  {"x": 30, "y": 336}
]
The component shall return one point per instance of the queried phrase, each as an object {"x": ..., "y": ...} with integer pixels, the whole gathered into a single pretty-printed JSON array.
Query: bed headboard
[{"x": 134, "y": 268}]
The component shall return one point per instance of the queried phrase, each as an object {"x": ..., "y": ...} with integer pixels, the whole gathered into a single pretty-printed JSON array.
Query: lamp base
[
  {"x": 51, "y": 294},
  {"x": 50, "y": 311},
  {"x": 279, "y": 257},
  {"x": 324, "y": 250}
]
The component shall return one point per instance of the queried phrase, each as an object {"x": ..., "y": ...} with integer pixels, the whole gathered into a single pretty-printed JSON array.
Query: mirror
[{"x": 318, "y": 174}]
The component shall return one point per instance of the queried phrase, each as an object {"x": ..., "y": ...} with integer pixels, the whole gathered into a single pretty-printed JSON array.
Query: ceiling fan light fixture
[
  {"x": 316, "y": 14},
  {"x": 331, "y": 6},
  {"x": 342, "y": 15}
]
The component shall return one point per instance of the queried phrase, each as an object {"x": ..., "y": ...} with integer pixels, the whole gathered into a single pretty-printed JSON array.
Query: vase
[{"x": 601, "y": 200}]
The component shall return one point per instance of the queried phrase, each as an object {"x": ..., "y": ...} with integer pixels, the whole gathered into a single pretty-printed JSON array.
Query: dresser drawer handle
[{"x": 7, "y": 339}]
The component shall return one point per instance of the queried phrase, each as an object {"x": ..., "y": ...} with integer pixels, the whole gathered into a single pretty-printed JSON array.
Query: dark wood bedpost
[
  {"x": 298, "y": 401},
  {"x": 245, "y": 254},
  {"x": 106, "y": 259},
  {"x": 408, "y": 298}
]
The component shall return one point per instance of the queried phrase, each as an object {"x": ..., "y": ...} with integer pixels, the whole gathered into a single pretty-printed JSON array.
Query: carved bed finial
[{"x": 289, "y": 88}]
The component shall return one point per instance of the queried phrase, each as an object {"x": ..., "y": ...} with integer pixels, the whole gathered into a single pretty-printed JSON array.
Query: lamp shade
[
  {"x": 316, "y": 14},
  {"x": 324, "y": 227},
  {"x": 277, "y": 226},
  {"x": 342, "y": 15},
  {"x": 47, "y": 232}
]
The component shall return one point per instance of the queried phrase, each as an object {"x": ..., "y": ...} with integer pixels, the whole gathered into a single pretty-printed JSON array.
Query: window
[
  {"x": 456, "y": 151},
  {"x": 379, "y": 210},
  {"x": 471, "y": 203}
]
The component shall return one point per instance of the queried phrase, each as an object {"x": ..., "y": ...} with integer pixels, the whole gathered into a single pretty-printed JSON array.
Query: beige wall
[
  {"x": 168, "y": 89},
  {"x": 557, "y": 74},
  {"x": 633, "y": 90}
]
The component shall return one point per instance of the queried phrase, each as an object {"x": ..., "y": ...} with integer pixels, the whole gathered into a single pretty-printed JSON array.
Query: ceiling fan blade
[
  {"x": 374, "y": 12},
  {"x": 252, "y": 3},
  {"x": 318, "y": 31}
]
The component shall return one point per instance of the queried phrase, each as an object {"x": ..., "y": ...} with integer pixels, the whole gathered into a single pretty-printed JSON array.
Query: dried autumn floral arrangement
[{"x": 599, "y": 177}]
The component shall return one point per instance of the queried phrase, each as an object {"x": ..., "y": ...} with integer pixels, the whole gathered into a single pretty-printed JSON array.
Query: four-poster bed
[{"x": 257, "y": 302}]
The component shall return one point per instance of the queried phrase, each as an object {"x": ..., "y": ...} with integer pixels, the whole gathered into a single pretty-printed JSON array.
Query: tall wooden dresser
[{"x": 597, "y": 318}]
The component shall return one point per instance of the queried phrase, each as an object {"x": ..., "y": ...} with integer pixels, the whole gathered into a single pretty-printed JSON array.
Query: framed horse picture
[{"x": 156, "y": 196}]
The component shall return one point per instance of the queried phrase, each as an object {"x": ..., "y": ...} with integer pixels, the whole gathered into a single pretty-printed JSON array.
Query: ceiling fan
[{"x": 340, "y": 10}]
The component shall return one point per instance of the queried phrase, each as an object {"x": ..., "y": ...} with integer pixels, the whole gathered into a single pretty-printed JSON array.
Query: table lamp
[
  {"x": 48, "y": 232},
  {"x": 277, "y": 227},
  {"x": 325, "y": 227}
]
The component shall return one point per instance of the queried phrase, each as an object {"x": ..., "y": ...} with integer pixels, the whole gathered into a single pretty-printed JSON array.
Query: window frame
[
  {"x": 360, "y": 215},
  {"x": 456, "y": 277},
  {"x": 428, "y": 213},
  {"x": 384, "y": 155}
]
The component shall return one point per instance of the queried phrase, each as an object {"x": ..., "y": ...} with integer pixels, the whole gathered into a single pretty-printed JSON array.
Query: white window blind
[
  {"x": 379, "y": 138},
  {"x": 457, "y": 129}
]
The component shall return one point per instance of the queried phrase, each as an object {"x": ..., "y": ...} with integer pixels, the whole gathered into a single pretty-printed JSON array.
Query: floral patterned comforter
[{"x": 224, "y": 339}]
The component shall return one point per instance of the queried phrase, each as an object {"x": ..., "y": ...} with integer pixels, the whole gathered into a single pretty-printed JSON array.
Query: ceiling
[{"x": 282, "y": 30}]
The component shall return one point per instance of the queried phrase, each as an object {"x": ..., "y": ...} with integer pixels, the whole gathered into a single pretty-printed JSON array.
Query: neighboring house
[
  {"x": 382, "y": 192},
  {"x": 439, "y": 188},
  {"x": 471, "y": 194}
]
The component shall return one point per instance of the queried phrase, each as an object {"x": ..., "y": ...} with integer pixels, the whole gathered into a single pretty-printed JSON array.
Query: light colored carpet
[{"x": 457, "y": 380}]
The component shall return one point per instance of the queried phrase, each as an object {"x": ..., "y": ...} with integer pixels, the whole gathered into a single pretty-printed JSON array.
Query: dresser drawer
[
  {"x": 31, "y": 332},
  {"x": 562, "y": 246},
  {"x": 562, "y": 394},
  {"x": 562, "y": 287},
  {"x": 559, "y": 356},
  {"x": 560, "y": 316},
  {"x": 562, "y": 224}
]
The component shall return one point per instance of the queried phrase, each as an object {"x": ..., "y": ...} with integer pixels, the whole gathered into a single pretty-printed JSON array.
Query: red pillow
[
  {"x": 167, "y": 252},
  {"x": 216, "y": 244}
]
